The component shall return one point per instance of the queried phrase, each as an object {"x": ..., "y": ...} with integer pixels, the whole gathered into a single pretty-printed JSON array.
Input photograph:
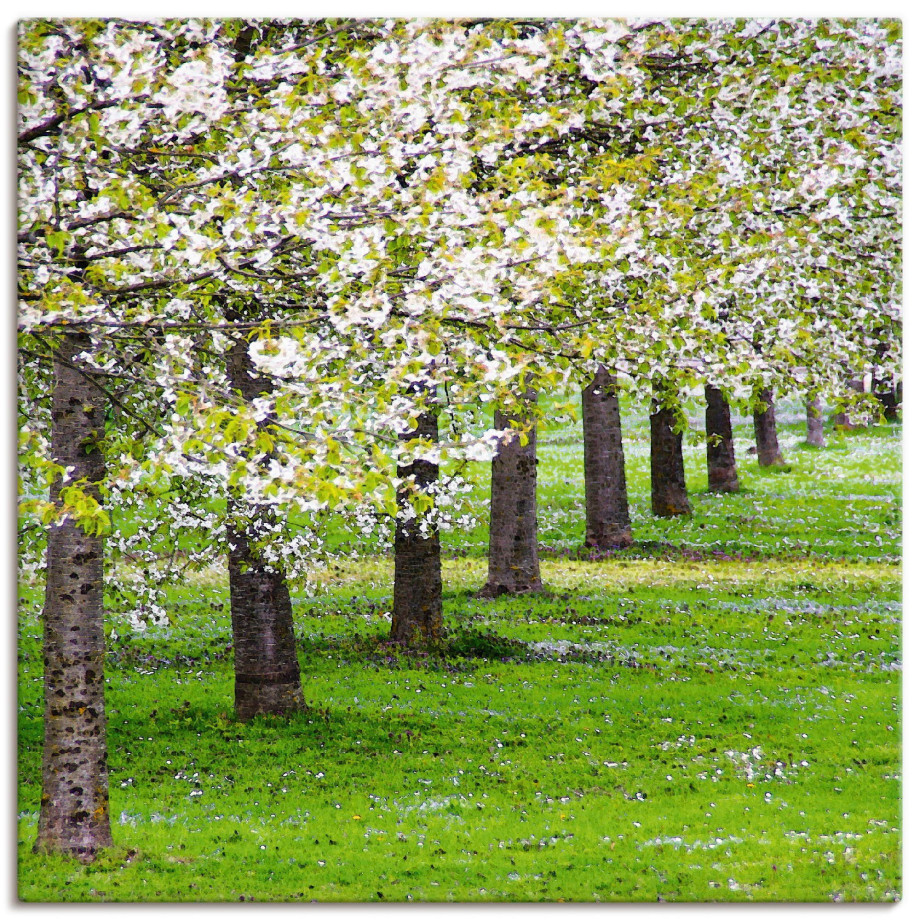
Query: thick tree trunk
[
  {"x": 514, "y": 567},
  {"x": 266, "y": 669},
  {"x": 669, "y": 489},
  {"x": 720, "y": 445},
  {"x": 768, "y": 451},
  {"x": 417, "y": 610},
  {"x": 814, "y": 423},
  {"x": 74, "y": 814},
  {"x": 607, "y": 523}
]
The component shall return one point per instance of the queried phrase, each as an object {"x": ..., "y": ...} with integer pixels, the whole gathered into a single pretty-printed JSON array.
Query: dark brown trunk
[
  {"x": 74, "y": 814},
  {"x": 669, "y": 489},
  {"x": 417, "y": 610},
  {"x": 890, "y": 398},
  {"x": 266, "y": 669},
  {"x": 720, "y": 445},
  {"x": 514, "y": 567},
  {"x": 607, "y": 524},
  {"x": 814, "y": 423},
  {"x": 768, "y": 452}
]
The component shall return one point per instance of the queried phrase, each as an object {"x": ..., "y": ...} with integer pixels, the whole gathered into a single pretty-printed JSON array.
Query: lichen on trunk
[
  {"x": 607, "y": 523},
  {"x": 74, "y": 813}
]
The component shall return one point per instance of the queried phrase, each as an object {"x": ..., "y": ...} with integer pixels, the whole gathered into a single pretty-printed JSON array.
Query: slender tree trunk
[
  {"x": 514, "y": 567},
  {"x": 74, "y": 814},
  {"x": 814, "y": 422},
  {"x": 768, "y": 452},
  {"x": 720, "y": 445},
  {"x": 890, "y": 396},
  {"x": 417, "y": 609},
  {"x": 607, "y": 523},
  {"x": 669, "y": 488},
  {"x": 266, "y": 669}
]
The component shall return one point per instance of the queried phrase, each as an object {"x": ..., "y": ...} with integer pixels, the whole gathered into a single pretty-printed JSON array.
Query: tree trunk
[
  {"x": 814, "y": 423},
  {"x": 266, "y": 669},
  {"x": 417, "y": 610},
  {"x": 606, "y": 503},
  {"x": 890, "y": 396},
  {"x": 768, "y": 452},
  {"x": 514, "y": 567},
  {"x": 720, "y": 445},
  {"x": 842, "y": 418},
  {"x": 669, "y": 489},
  {"x": 74, "y": 815}
]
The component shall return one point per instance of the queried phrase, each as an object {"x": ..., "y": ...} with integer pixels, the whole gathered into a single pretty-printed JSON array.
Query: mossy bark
[
  {"x": 768, "y": 450},
  {"x": 669, "y": 487},
  {"x": 266, "y": 670},
  {"x": 720, "y": 445},
  {"x": 74, "y": 812},
  {"x": 417, "y": 605},
  {"x": 607, "y": 523},
  {"x": 514, "y": 566}
]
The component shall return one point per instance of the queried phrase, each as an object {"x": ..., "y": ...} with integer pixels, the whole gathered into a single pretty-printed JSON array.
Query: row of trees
[{"x": 259, "y": 261}]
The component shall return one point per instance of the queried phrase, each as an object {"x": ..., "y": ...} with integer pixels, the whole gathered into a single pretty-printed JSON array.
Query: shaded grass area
[{"x": 648, "y": 729}]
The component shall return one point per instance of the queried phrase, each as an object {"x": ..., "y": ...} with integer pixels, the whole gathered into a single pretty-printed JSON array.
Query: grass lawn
[{"x": 714, "y": 714}]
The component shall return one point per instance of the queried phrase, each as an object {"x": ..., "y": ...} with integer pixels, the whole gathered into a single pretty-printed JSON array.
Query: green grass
[
  {"x": 713, "y": 715},
  {"x": 840, "y": 501}
]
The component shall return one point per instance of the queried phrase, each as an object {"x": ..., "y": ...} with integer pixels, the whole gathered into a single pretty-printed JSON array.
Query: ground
[{"x": 711, "y": 715}]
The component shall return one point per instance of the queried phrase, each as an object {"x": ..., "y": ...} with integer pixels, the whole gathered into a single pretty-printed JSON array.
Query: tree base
[
  {"x": 491, "y": 589},
  {"x": 268, "y": 699},
  {"x": 85, "y": 849},
  {"x": 610, "y": 542},
  {"x": 413, "y": 634},
  {"x": 729, "y": 484},
  {"x": 666, "y": 509}
]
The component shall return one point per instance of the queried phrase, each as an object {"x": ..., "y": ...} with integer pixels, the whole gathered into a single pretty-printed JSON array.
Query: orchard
[{"x": 476, "y": 441}]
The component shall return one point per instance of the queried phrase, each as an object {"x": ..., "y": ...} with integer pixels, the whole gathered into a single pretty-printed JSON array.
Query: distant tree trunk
[
  {"x": 768, "y": 451},
  {"x": 514, "y": 567},
  {"x": 842, "y": 418},
  {"x": 890, "y": 396},
  {"x": 74, "y": 814},
  {"x": 417, "y": 610},
  {"x": 814, "y": 423},
  {"x": 266, "y": 669},
  {"x": 606, "y": 502},
  {"x": 669, "y": 488},
  {"x": 720, "y": 445},
  {"x": 887, "y": 388}
]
